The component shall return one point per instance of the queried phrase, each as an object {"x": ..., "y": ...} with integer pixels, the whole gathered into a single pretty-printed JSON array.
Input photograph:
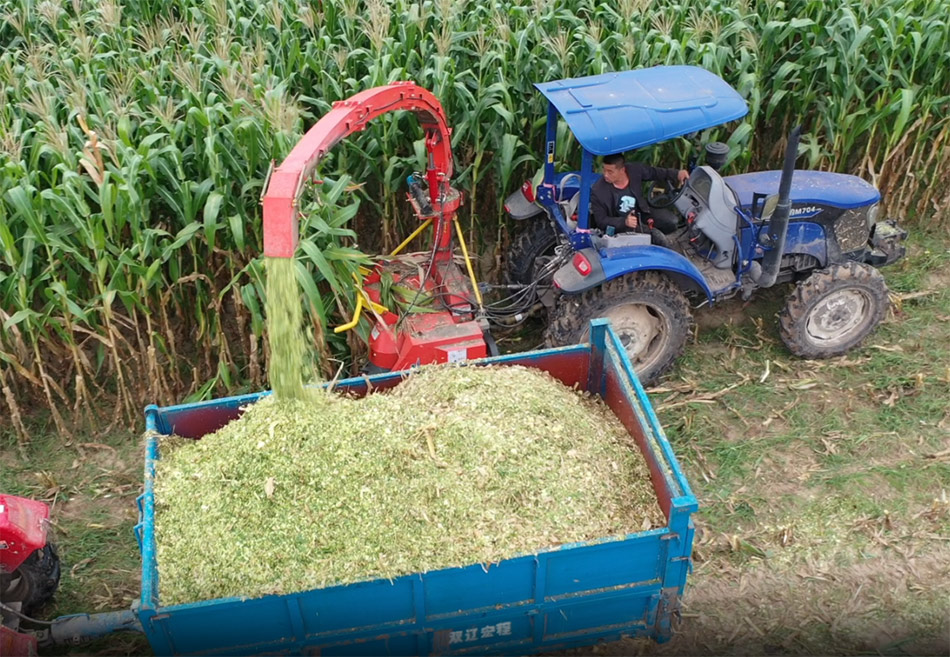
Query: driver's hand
[
  {"x": 683, "y": 176},
  {"x": 631, "y": 221}
]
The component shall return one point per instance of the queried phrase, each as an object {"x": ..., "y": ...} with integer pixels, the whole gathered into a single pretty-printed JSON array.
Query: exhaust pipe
[{"x": 778, "y": 222}]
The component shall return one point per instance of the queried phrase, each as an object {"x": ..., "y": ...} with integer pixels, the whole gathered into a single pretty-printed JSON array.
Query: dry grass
[{"x": 823, "y": 485}]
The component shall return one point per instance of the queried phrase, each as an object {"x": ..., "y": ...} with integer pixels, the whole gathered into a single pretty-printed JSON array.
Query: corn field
[{"x": 135, "y": 138}]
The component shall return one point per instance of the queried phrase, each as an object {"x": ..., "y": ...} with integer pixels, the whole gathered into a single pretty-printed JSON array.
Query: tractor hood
[
  {"x": 616, "y": 112},
  {"x": 808, "y": 187}
]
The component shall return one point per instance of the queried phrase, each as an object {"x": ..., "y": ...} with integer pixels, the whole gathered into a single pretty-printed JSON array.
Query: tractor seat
[
  {"x": 569, "y": 206},
  {"x": 569, "y": 209}
]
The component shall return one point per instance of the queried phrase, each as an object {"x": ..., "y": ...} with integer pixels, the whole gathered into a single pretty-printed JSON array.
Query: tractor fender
[
  {"x": 520, "y": 208},
  {"x": 608, "y": 264}
]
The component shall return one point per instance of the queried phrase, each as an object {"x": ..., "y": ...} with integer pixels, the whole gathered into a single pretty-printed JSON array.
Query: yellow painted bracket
[
  {"x": 356, "y": 316},
  {"x": 468, "y": 264},
  {"x": 375, "y": 306},
  {"x": 405, "y": 242}
]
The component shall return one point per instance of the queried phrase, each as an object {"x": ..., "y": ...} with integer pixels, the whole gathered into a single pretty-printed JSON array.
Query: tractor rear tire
[
  {"x": 833, "y": 310},
  {"x": 647, "y": 311},
  {"x": 530, "y": 248}
]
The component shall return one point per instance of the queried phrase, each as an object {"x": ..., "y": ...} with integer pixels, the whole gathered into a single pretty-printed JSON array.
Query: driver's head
[{"x": 613, "y": 168}]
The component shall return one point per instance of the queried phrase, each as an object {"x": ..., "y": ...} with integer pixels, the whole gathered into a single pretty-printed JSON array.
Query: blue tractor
[{"x": 730, "y": 235}]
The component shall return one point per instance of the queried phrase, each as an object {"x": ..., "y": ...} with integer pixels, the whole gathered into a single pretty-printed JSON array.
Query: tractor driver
[{"x": 617, "y": 198}]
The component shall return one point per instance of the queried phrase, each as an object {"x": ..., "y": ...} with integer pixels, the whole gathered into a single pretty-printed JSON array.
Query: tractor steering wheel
[{"x": 667, "y": 198}]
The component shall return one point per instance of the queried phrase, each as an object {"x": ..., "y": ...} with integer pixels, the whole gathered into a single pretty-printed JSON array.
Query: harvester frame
[{"x": 454, "y": 332}]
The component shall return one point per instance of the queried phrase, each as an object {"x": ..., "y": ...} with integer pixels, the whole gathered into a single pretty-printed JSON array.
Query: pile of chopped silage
[{"x": 455, "y": 466}]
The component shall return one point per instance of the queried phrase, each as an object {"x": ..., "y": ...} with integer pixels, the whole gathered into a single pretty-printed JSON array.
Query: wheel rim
[
  {"x": 838, "y": 317},
  {"x": 643, "y": 331}
]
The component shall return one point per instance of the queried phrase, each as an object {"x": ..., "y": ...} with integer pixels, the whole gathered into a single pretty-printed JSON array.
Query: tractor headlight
[{"x": 872, "y": 214}]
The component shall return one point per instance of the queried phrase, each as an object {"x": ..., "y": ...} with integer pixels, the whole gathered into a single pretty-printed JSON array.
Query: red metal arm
[{"x": 346, "y": 117}]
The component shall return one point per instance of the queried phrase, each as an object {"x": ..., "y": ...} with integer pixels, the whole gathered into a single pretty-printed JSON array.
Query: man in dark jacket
[{"x": 617, "y": 198}]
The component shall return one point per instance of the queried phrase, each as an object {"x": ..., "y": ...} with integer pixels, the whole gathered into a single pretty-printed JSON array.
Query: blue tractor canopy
[{"x": 618, "y": 112}]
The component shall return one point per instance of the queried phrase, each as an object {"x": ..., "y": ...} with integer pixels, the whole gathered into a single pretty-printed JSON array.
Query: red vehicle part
[
  {"x": 16, "y": 644},
  {"x": 440, "y": 336},
  {"x": 22, "y": 530},
  {"x": 349, "y": 116},
  {"x": 426, "y": 338}
]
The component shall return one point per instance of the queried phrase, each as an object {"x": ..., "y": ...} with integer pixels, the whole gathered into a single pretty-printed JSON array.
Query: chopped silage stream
[
  {"x": 455, "y": 466},
  {"x": 284, "y": 326}
]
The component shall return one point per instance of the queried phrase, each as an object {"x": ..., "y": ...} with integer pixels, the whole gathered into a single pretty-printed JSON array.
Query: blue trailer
[{"x": 572, "y": 595}]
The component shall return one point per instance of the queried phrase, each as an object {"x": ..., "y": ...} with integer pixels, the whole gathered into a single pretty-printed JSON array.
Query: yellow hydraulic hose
[{"x": 468, "y": 264}]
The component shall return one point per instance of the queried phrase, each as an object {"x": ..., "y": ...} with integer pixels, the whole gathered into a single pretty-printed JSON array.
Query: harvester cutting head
[{"x": 416, "y": 334}]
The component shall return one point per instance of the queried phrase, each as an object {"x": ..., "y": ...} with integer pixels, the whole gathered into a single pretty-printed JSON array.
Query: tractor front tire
[
  {"x": 531, "y": 247},
  {"x": 833, "y": 310},
  {"x": 647, "y": 311}
]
